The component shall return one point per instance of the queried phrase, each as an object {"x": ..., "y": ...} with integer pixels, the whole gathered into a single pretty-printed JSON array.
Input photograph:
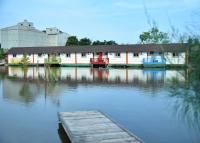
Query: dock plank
[{"x": 94, "y": 127}]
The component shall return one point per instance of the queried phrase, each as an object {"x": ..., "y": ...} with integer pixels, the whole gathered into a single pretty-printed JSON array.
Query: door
[{"x": 100, "y": 56}]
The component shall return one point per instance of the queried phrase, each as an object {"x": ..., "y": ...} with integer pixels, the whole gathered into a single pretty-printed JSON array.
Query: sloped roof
[{"x": 100, "y": 48}]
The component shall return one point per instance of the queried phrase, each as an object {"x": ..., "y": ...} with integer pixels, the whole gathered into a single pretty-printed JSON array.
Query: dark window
[
  {"x": 68, "y": 55},
  {"x": 175, "y": 54},
  {"x": 151, "y": 53},
  {"x": 29, "y": 25},
  {"x": 21, "y": 24},
  {"x": 58, "y": 54},
  {"x": 135, "y": 54},
  {"x": 83, "y": 54},
  {"x": 29, "y": 54},
  {"x": 160, "y": 53},
  {"x": 14, "y": 55},
  {"x": 39, "y": 55},
  {"x": 117, "y": 54},
  {"x": 106, "y": 53}
]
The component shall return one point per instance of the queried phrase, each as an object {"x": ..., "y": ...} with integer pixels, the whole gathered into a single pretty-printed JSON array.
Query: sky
[{"x": 119, "y": 20}]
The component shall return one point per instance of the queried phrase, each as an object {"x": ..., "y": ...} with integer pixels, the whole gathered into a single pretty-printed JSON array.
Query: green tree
[
  {"x": 25, "y": 60},
  {"x": 1, "y": 53},
  {"x": 97, "y": 42},
  {"x": 111, "y": 42},
  {"x": 193, "y": 44},
  {"x": 85, "y": 41},
  {"x": 154, "y": 35},
  {"x": 72, "y": 40}
]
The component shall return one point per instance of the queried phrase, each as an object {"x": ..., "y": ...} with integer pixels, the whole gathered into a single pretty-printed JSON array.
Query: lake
[{"x": 157, "y": 105}]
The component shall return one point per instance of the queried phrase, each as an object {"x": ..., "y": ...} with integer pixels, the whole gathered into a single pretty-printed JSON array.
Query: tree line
[{"x": 73, "y": 40}]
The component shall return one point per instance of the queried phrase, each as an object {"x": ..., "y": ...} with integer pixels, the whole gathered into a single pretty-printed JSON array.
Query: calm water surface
[{"x": 159, "y": 106}]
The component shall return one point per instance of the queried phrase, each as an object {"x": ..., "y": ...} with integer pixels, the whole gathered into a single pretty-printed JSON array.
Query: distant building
[
  {"x": 56, "y": 37},
  {"x": 24, "y": 34},
  {"x": 153, "y": 55}
]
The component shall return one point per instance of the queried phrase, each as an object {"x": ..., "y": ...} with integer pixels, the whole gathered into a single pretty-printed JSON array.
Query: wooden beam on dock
[{"x": 94, "y": 127}]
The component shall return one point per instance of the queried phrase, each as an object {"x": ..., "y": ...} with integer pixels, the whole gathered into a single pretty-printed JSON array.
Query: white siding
[
  {"x": 67, "y": 60},
  {"x": 170, "y": 59},
  {"x": 14, "y": 60},
  {"x": 40, "y": 59},
  {"x": 84, "y": 60},
  {"x": 113, "y": 59},
  {"x": 136, "y": 60}
]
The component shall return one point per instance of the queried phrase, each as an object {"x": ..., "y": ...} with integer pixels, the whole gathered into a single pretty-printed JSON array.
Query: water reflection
[
  {"x": 187, "y": 100},
  {"x": 139, "y": 86},
  {"x": 87, "y": 75},
  {"x": 28, "y": 83}
]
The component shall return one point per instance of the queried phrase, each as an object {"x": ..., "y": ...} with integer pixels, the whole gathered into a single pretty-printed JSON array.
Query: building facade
[
  {"x": 24, "y": 34},
  {"x": 105, "y": 55},
  {"x": 56, "y": 37}
]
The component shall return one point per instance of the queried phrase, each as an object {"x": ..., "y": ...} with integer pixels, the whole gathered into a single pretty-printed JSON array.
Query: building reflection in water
[
  {"x": 144, "y": 76},
  {"x": 25, "y": 85},
  {"x": 28, "y": 83}
]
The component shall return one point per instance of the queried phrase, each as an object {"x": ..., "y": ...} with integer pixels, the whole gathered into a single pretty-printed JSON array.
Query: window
[
  {"x": 151, "y": 52},
  {"x": 83, "y": 54},
  {"x": 106, "y": 53},
  {"x": 135, "y": 54},
  {"x": 160, "y": 53},
  {"x": 39, "y": 55},
  {"x": 29, "y": 54},
  {"x": 117, "y": 54},
  {"x": 175, "y": 54},
  {"x": 68, "y": 55},
  {"x": 14, "y": 55}
]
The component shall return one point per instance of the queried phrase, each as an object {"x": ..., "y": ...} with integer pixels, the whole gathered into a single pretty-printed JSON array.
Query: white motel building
[
  {"x": 102, "y": 55},
  {"x": 24, "y": 34}
]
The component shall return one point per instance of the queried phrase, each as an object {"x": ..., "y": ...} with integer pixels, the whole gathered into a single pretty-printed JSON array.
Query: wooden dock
[{"x": 94, "y": 127}]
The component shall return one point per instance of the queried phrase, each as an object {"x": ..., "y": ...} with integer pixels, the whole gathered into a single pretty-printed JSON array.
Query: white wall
[
  {"x": 170, "y": 59},
  {"x": 16, "y": 59},
  {"x": 40, "y": 60},
  {"x": 67, "y": 60},
  {"x": 22, "y": 35},
  {"x": 113, "y": 59},
  {"x": 84, "y": 60},
  {"x": 136, "y": 60},
  {"x": 56, "y": 37}
]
